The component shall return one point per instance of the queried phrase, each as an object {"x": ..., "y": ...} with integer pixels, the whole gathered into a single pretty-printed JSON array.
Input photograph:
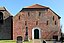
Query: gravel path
[{"x": 41, "y": 41}]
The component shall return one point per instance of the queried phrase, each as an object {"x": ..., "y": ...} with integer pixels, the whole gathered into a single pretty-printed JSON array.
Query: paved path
[
  {"x": 41, "y": 41},
  {"x": 37, "y": 41}
]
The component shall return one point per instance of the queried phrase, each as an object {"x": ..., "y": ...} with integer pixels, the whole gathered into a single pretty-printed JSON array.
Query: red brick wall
[{"x": 47, "y": 31}]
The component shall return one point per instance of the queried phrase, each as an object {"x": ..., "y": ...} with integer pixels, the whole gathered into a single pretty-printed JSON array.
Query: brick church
[{"x": 32, "y": 22}]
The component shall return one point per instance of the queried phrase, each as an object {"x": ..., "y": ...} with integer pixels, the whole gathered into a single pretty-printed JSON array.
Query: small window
[
  {"x": 25, "y": 22},
  {"x": 39, "y": 13},
  {"x": 36, "y": 22},
  {"x": 26, "y": 31},
  {"x": 19, "y": 17},
  {"x": 53, "y": 17},
  {"x": 47, "y": 22},
  {"x": 55, "y": 37},
  {"x": 28, "y": 14},
  {"x": 55, "y": 23}
]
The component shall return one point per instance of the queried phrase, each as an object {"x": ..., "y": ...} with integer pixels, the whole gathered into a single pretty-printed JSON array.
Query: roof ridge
[{"x": 36, "y": 6}]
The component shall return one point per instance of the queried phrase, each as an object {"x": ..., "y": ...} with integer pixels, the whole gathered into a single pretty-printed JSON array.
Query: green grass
[
  {"x": 12, "y": 41},
  {"x": 7, "y": 41}
]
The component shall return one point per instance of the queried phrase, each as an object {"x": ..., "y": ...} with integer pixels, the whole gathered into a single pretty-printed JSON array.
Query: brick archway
[{"x": 36, "y": 28}]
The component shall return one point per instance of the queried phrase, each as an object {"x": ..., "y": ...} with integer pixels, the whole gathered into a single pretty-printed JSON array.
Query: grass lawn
[
  {"x": 7, "y": 41},
  {"x": 12, "y": 41}
]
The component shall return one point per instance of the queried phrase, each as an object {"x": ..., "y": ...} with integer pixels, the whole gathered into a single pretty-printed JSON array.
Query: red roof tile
[{"x": 36, "y": 6}]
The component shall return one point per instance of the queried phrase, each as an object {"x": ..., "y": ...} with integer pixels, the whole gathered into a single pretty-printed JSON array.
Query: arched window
[
  {"x": 26, "y": 31},
  {"x": 36, "y": 22},
  {"x": 53, "y": 17},
  {"x": 19, "y": 17},
  {"x": 1, "y": 17},
  {"x": 47, "y": 22},
  {"x": 28, "y": 13},
  {"x": 25, "y": 22},
  {"x": 39, "y": 13},
  {"x": 55, "y": 22}
]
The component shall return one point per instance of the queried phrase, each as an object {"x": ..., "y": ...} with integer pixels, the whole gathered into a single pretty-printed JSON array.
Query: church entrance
[{"x": 36, "y": 34}]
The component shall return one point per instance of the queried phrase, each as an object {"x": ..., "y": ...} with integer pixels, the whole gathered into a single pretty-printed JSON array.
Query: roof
[
  {"x": 2, "y": 8},
  {"x": 55, "y": 13},
  {"x": 36, "y": 6}
]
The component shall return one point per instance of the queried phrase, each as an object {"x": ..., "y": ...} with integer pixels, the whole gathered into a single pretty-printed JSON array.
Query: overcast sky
[{"x": 14, "y": 6}]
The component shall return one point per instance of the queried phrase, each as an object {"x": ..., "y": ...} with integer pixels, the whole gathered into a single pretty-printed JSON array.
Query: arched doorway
[{"x": 36, "y": 34}]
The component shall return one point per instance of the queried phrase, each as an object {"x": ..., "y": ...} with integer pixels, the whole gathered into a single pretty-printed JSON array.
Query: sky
[{"x": 14, "y": 6}]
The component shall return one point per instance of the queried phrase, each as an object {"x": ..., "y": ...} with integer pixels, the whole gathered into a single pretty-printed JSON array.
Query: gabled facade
[
  {"x": 5, "y": 24},
  {"x": 36, "y": 22}
]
